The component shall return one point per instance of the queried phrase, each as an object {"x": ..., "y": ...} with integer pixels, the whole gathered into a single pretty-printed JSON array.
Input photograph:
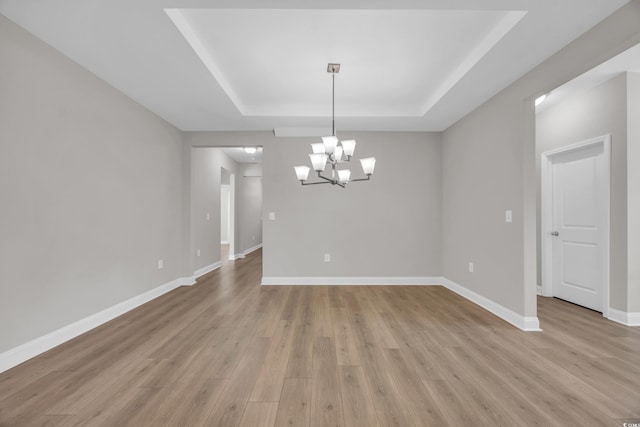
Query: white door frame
[
  {"x": 226, "y": 187},
  {"x": 546, "y": 210},
  {"x": 232, "y": 216}
]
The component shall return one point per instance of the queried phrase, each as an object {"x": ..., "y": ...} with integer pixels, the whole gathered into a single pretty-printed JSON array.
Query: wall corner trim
[
  {"x": 623, "y": 317},
  {"x": 208, "y": 269},
  {"x": 33, "y": 348}
]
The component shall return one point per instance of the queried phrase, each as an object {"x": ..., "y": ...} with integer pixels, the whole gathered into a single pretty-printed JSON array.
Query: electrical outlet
[
  {"x": 208, "y": 216},
  {"x": 471, "y": 267},
  {"x": 253, "y": 237},
  {"x": 327, "y": 257},
  {"x": 272, "y": 216},
  {"x": 198, "y": 252},
  {"x": 508, "y": 216},
  {"x": 160, "y": 264}
]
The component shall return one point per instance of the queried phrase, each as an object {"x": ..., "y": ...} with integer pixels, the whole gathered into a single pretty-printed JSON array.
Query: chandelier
[{"x": 334, "y": 152}]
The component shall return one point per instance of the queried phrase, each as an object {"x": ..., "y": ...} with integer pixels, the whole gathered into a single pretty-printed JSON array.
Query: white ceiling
[
  {"x": 257, "y": 65},
  {"x": 240, "y": 155},
  {"x": 628, "y": 60}
]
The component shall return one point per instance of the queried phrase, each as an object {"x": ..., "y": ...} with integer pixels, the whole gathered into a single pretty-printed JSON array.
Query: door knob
[{"x": 555, "y": 233}]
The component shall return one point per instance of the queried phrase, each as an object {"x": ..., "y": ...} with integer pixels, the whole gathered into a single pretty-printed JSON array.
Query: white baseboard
[
  {"x": 224, "y": 242},
  {"x": 26, "y": 351},
  {"x": 539, "y": 290},
  {"x": 236, "y": 256},
  {"x": 628, "y": 319},
  {"x": 401, "y": 280},
  {"x": 253, "y": 248},
  {"x": 209, "y": 268},
  {"x": 521, "y": 322},
  {"x": 39, "y": 345}
]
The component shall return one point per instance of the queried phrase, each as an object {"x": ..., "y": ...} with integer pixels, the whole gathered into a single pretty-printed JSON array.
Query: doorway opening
[
  {"x": 240, "y": 202},
  {"x": 225, "y": 205}
]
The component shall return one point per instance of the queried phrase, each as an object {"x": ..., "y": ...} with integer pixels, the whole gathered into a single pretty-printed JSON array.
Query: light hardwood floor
[{"x": 229, "y": 352}]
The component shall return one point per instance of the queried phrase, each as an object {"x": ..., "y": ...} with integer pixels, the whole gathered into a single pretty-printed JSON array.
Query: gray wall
[
  {"x": 633, "y": 191},
  {"x": 206, "y": 177},
  {"x": 251, "y": 226},
  {"x": 482, "y": 178},
  {"x": 489, "y": 166},
  {"x": 90, "y": 186},
  {"x": 599, "y": 111},
  {"x": 389, "y": 226}
]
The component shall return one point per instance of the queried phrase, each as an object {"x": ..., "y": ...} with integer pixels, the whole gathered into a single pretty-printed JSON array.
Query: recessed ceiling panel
[{"x": 394, "y": 62}]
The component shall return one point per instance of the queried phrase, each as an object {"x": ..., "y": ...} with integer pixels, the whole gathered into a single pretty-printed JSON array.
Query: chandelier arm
[
  {"x": 325, "y": 178},
  {"x": 332, "y": 181},
  {"x": 361, "y": 179},
  {"x": 314, "y": 183},
  {"x": 324, "y": 182}
]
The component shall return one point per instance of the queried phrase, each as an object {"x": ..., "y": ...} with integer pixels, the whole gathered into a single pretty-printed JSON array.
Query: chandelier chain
[{"x": 333, "y": 104}]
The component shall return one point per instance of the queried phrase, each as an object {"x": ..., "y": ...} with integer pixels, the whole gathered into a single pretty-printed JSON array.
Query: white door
[{"x": 578, "y": 204}]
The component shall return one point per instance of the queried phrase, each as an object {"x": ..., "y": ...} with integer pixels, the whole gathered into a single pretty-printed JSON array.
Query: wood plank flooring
[{"x": 228, "y": 352}]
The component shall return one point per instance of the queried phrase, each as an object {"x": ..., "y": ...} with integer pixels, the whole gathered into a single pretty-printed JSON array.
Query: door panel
[
  {"x": 579, "y": 264},
  {"x": 577, "y": 215},
  {"x": 578, "y": 195}
]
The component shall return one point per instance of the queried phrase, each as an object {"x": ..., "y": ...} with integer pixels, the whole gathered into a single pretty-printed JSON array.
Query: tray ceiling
[{"x": 254, "y": 65}]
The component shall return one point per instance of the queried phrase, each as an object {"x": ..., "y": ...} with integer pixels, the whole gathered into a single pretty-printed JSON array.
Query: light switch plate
[
  {"x": 272, "y": 216},
  {"x": 508, "y": 216}
]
